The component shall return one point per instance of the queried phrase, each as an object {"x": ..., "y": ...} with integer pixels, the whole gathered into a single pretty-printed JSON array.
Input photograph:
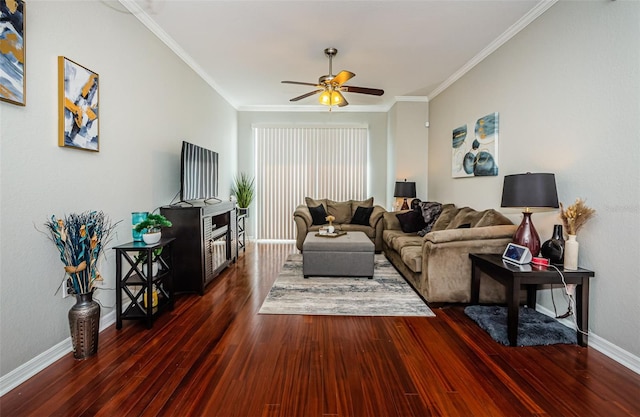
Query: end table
[{"x": 513, "y": 277}]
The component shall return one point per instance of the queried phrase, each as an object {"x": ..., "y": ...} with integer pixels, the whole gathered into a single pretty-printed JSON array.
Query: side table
[
  {"x": 513, "y": 277},
  {"x": 140, "y": 280}
]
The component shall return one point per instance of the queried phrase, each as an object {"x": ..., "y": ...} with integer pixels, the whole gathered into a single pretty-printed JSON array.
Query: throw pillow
[
  {"x": 430, "y": 212},
  {"x": 362, "y": 216},
  {"x": 341, "y": 210},
  {"x": 310, "y": 202},
  {"x": 318, "y": 215},
  {"x": 364, "y": 203},
  {"x": 411, "y": 221}
]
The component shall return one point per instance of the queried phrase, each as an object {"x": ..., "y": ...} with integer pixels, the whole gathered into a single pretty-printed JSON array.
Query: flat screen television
[{"x": 198, "y": 173}]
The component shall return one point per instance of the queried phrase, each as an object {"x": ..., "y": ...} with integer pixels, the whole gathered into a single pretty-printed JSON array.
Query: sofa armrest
[
  {"x": 303, "y": 213},
  {"x": 391, "y": 221},
  {"x": 474, "y": 233},
  {"x": 376, "y": 215}
]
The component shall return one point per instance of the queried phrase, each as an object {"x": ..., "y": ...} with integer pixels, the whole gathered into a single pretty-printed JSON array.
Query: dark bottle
[{"x": 554, "y": 247}]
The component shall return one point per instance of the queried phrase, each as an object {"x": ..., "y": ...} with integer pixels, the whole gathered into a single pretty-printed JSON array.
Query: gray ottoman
[{"x": 350, "y": 255}]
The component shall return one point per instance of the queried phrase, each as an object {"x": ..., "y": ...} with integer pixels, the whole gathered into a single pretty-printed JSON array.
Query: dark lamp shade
[
  {"x": 405, "y": 189},
  {"x": 529, "y": 190}
]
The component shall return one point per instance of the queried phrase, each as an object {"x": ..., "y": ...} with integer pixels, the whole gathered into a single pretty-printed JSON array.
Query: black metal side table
[
  {"x": 513, "y": 277},
  {"x": 140, "y": 281}
]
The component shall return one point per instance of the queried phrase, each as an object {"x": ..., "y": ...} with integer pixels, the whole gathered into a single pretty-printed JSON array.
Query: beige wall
[
  {"x": 567, "y": 90},
  {"x": 149, "y": 102},
  {"x": 409, "y": 136}
]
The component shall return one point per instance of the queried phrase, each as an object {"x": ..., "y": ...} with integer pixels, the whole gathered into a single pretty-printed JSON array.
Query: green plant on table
[
  {"x": 152, "y": 224},
  {"x": 243, "y": 188}
]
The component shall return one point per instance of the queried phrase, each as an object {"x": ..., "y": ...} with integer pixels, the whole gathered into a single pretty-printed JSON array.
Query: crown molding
[
  {"x": 144, "y": 18},
  {"x": 523, "y": 22}
]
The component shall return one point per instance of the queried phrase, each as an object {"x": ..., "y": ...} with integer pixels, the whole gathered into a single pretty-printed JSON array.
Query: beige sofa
[
  {"x": 438, "y": 265},
  {"x": 344, "y": 212}
]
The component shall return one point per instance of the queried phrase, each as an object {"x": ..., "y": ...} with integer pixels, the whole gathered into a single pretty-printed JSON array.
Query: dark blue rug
[{"x": 534, "y": 328}]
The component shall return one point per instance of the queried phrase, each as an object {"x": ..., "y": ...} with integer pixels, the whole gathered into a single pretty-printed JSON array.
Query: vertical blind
[{"x": 297, "y": 162}]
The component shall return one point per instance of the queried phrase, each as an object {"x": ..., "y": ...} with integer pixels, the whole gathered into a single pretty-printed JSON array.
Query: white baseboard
[
  {"x": 46, "y": 358},
  {"x": 603, "y": 346}
]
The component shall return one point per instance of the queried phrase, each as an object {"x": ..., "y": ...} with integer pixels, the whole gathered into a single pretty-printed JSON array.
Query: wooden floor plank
[{"x": 214, "y": 355}]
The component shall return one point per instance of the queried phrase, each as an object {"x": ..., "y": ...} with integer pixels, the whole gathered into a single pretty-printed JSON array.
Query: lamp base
[
  {"x": 526, "y": 235},
  {"x": 405, "y": 205}
]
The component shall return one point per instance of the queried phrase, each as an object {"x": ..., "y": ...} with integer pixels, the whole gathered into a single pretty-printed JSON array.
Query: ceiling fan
[{"x": 330, "y": 87}]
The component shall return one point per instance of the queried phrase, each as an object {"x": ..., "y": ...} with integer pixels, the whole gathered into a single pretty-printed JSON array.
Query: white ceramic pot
[
  {"x": 331, "y": 229},
  {"x": 151, "y": 238},
  {"x": 571, "y": 249}
]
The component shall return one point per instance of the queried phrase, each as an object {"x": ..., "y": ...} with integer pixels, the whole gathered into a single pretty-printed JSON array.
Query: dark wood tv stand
[{"x": 205, "y": 242}]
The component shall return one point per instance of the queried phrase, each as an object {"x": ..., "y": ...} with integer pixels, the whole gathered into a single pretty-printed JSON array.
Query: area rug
[
  {"x": 534, "y": 328},
  {"x": 386, "y": 294}
]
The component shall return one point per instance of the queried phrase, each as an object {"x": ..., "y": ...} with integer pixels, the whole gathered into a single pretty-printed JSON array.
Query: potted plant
[
  {"x": 80, "y": 240},
  {"x": 151, "y": 228},
  {"x": 243, "y": 188}
]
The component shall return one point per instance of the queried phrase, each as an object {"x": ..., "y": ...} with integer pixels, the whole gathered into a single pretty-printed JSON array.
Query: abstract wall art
[
  {"x": 477, "y": 155},
  {"x": 78, "y": 121},
  {"x": 12, "y": 52}
]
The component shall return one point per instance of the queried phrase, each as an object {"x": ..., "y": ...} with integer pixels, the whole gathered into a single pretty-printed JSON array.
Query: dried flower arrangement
[
  {"x": 575, "y": 216},
  {"x": 80, "y": 239},
  {"x": 330, "y": 219}
]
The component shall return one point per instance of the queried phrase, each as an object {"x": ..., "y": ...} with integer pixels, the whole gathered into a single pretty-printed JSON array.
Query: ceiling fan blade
[
  {"x": 342, "y": 77},
  {"x": 299, "y": 83},
  {"x": 362, "y": 90},
  {"x": 306, "y": 95},
  {"x": 343, "y": 101}
]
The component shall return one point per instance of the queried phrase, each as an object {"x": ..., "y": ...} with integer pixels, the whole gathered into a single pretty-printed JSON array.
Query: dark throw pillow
[
  {"x": 362, "y": 216},
  {"x": 411, "y": 221},
  {"x": 318, "y": 215}
]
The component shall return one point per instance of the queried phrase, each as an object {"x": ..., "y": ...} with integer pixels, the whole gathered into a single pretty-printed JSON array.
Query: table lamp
[
  {"x": 526, "y": 191},
  {"x": 405, "y": 190}
]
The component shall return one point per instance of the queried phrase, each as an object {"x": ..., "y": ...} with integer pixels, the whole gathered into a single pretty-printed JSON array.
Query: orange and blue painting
[
  {"x": 78, "y": 92},
  {"x": 12, "y": 56}
]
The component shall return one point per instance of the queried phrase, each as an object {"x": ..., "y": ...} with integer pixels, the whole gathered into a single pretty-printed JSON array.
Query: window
[{"x": 297, "y": 162}]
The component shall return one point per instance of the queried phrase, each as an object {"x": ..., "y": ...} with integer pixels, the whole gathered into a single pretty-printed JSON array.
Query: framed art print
[
  {"x": 12, "y": 52},
  {"x": 78, "y": 120},
  {"x": 475, "y": 154}
]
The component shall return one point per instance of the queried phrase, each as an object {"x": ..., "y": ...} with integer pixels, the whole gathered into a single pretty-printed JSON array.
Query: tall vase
[
  {"x": 84, "y": 323},
  {"x": 553, "y": 249},
  {"x": 138, "y": 217},
  {"x": 571, "y": 248}
]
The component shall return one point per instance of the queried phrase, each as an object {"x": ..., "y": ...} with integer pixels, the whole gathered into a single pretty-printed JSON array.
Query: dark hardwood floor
[{"x": 216, "y": 356}]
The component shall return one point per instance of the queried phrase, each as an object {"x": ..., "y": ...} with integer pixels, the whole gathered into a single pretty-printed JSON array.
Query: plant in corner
[
  {"x": 243, "y": 188},
  {"x": 80, "y": 240},
  {"x": 151, "y": 228}
]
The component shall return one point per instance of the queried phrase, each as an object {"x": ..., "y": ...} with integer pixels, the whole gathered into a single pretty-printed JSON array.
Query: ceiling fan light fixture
[{"x": 325, "y": 98}]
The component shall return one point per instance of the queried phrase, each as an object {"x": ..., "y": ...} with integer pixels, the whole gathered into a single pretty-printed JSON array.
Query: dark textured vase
[
  {"x": 84, "y": 323},
  {"x": 553, "y": 249}
]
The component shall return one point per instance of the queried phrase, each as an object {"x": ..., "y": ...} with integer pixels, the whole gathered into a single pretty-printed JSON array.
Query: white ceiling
[{"x": 410, "y": 49}]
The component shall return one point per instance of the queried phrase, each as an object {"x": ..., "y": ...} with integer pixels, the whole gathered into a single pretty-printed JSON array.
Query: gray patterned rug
[{"x": 387, "y": 294}]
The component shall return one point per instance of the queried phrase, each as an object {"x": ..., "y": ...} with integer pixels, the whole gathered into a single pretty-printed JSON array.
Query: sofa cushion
[
  {"x": 448, "y": 212},
  {"x": 341, "y": 210},
  {"x": 362, "y": 216},
  {"x": 411, "y": 221},
  {"x": 318, "y": 214},
  {"x": 310, "y": 202},
  {"x": 492, "y": 218},
  {"x": 412, "y": 258},
  {"x": 364, "y": 203},
  {"x": 388, "y": 235},
  {"x": 465, "y": 215},
  {"x": 404, "y": 240}
]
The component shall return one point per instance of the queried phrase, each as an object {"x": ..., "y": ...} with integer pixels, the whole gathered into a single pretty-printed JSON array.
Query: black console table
[
  {"x": 513, "y": 277},
  {"x": 139, "y": 282},
  {"x": 205, "y": 242}
]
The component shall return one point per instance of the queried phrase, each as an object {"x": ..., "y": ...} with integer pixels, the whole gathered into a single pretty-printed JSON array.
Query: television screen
[{"x": 198, "y": 173}]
